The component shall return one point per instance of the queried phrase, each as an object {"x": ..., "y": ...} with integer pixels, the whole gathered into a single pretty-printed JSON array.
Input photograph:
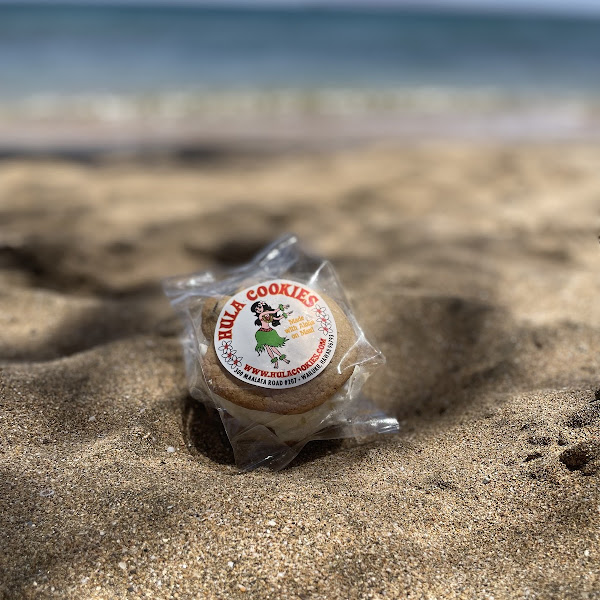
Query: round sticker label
[{"x": 277, "y": 334}]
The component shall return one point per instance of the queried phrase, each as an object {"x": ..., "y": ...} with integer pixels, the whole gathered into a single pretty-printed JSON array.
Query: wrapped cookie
[{"x": 274, "y": 346}]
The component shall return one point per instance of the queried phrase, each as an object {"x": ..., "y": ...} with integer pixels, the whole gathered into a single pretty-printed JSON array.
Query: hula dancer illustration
[{"x": 266, "y": 337}]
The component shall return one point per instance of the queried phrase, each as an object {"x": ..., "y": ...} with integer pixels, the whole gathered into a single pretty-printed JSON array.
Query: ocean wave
[{"x": 294, "y": 103}]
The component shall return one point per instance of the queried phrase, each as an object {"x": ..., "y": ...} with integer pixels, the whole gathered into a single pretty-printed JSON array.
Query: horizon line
[{"x": 506, "y": 7}]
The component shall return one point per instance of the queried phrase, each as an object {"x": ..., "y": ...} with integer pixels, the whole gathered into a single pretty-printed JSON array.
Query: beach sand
[{"x": 473, "y": 266}]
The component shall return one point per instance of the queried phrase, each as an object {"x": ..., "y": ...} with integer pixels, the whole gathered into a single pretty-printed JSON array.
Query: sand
[{"x": 475, "y": 267}]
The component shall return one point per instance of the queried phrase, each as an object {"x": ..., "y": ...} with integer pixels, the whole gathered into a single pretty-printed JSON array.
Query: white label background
[{"x": 310, "y": 331}]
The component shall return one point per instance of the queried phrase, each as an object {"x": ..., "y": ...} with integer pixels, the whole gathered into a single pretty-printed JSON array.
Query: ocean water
[{"x": 114, "y": 62}]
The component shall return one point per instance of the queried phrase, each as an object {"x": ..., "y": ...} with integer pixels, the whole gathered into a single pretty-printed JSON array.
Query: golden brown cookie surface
[
  {"x": 210, "y": 314},
  {"x": 295, "y": 400}
]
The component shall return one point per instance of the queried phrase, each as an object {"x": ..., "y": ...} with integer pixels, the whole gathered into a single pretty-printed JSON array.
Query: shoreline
[{"x": 195, "y": 138}]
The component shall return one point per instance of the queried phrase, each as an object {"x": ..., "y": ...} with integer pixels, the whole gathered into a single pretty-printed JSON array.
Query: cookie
[
  {"x": 291, "y": 429},
  {"x": 211, "y": 309},
  {"x": 303, "y": 384}
]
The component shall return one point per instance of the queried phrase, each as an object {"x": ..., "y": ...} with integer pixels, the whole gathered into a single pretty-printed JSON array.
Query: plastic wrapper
[{"x": 275, "y": 348}]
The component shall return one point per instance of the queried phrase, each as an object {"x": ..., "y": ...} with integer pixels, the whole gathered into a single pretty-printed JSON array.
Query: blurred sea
[{"x": 120, "y": 64}]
